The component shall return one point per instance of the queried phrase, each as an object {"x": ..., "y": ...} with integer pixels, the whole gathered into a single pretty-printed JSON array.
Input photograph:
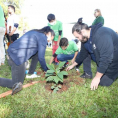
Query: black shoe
[
  {"x": 85, "y": 75},
  {"x": 16, "y": 88}
]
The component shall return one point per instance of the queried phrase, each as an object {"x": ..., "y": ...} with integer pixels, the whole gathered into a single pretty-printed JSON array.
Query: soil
[
  {"x": 71, "y": 78},
  {"x": 66, "y": 82},
  {"x": 41, "y": 73}
]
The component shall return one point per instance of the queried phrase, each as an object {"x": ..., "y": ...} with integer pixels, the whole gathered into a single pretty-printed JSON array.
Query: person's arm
[
  {"x": 82, "y": 55},
  {"x": 60, "y": 30},
  {"x": 96, "y": 80},
  {"x": 12, "y": 32},
  {"x": 106, "y": 57},
  {"x": 73, "y": 60},
  {"x": 41, "y": 55},
  {"x": 59, "y": 39},
  {"x": 51, "y": 60}
]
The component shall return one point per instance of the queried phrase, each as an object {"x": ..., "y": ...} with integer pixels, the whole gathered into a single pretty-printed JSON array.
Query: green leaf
[
  {"x": 51, "y": 78},
  {"x": 52, "y": 87},
  {"x": 63, "y": 72},
  {"x": 56, "y": 88},
  {"x": 60, "y": 75},
  {"x": 58, "y": 69},
  {"x": 48, "y": 74},
  {"x": 60, "y": 86},
  {"x": 61, "y": 64},
  {"x": 51, "y": 67},
  {"x": 50, "y": 71},
  {"x": 56, "y": 79},
  {"x": 54, "y": 91}
]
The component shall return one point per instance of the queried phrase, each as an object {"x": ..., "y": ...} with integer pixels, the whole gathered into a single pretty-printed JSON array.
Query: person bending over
[{"x": 31, "y": 43}]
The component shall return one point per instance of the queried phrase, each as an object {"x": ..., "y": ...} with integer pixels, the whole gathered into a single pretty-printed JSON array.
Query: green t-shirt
[
  {"x": 71, "y": 49},
  {"x": 99, "y": 19},
  {"x": 2, "y": 19},
  {"x": 57, "y": 27}
]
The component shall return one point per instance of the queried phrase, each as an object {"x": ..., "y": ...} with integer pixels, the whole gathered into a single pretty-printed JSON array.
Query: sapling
[{"x": 54, "y": 74}]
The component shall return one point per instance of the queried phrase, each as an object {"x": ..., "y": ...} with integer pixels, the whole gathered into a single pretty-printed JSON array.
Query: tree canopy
[{"x": 16, "y": 3}]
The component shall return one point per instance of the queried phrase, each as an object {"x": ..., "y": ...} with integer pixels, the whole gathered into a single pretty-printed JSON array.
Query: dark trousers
[
  {"x": 105, "y": 81},
  {"x": 33, "y": 64},
  {"x": 87, "y": 65},
  {"x": 13, "y": 37},
  {"x": 18, "y": 74}
]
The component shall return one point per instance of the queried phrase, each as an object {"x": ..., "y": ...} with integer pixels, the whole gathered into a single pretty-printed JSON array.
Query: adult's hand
[
  {"x": 72, "y": 66},
  {"x": 95, "y": 82},
  {"x": 69, "y": 68}
]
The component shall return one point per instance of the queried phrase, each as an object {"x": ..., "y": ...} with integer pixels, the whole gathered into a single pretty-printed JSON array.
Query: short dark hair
[
  {"x": 12, "y": 7},
  {"x": 63, "y": 42},
  {"x": 79, "y": 26},
  {"x": 51, "y": 17}
]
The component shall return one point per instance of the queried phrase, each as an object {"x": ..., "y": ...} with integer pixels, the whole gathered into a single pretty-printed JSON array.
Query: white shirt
[{"x": 10, "y": 22}]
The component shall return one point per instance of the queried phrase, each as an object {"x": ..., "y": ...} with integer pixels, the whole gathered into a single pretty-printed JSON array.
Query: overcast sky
[{"x": 68, "y": 11}]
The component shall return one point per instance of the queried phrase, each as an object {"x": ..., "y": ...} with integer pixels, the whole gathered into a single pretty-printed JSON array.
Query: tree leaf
[
  {"x": 51, "y": 67},
  {"x": 60, "y": 75},
  {"x": 57, "y": 88},
  {"x": 52, "y": 87},
  {"x": 50, "y": 71},
  {"x": 48, "y": 74},
  {"x": 58, "y": 69},
  {"x": 61, "y": 64},
  {"x": 60, "y": 86},
  {"x": 63, "y": 72},
  {"x": 54, "y": 91},
  {"x": 51, "y": 78},
  {"x": 56, "y": 79}
]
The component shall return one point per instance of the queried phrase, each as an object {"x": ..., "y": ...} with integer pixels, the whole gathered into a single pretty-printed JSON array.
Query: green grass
[{"x": 77, "y": 102}]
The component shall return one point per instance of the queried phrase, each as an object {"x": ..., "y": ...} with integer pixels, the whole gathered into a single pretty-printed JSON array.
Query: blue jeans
[{"x": 65, "y": 57}]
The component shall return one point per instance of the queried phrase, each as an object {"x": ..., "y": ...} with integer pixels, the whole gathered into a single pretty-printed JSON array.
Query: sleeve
[
  {"x": 105, "y": 49},
  {"x": 75, "y": 47},
  {"x": 60, "y": 32},
  {"x": 54, "y": 55},
  {"x": 41, "y": 55},
  {"x": 58, "y": 51},
  {"x": 82, "y": 55},
  {"x": 60, "y": 27},
  {"x": 16, "y": 25}
]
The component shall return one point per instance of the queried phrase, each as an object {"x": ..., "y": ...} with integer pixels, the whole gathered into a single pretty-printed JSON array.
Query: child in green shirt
[
  {"x": 67, "y": 50},
  {"x": 56, "y": 26}
]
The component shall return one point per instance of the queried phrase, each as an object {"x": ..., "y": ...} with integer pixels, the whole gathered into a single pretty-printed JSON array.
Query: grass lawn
[{"x": 76, "y": 102}]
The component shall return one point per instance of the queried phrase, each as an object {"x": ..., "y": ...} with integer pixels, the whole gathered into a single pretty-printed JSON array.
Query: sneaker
[
  {"x": 66, "y": 64},
  {"x": 85, "y": 75},
  {"x": 32, "y": 76},
  {"x": 17, "y": 87},
  {"x": 77, "y": 69},
  {"x": 26, "y": 72}
]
